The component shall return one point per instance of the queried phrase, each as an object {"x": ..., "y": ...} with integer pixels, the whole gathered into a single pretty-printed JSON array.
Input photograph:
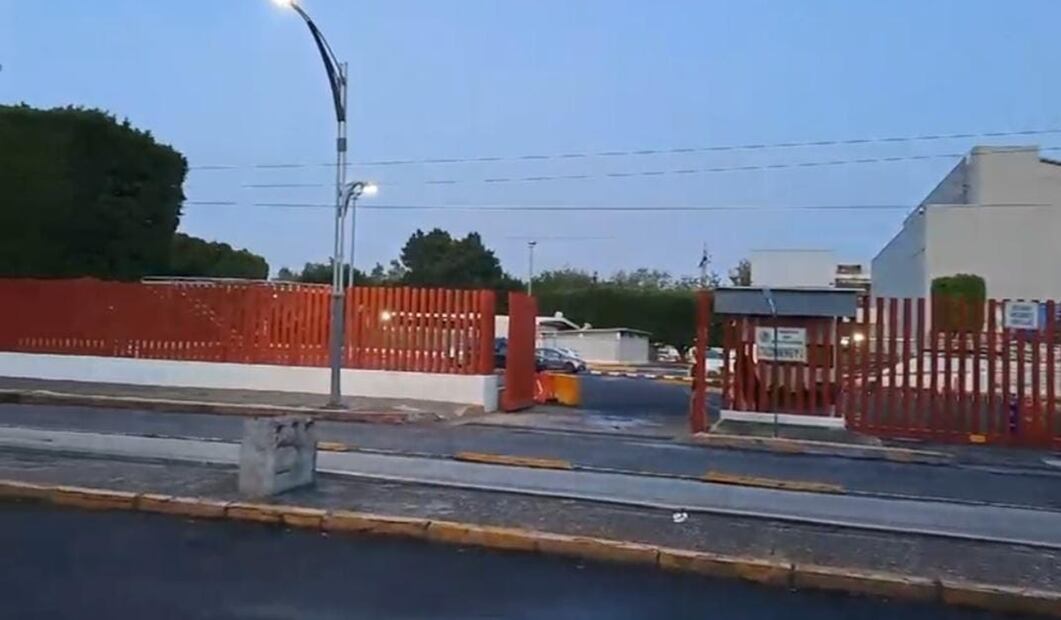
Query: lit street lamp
[{"x": 337, "y": 79}]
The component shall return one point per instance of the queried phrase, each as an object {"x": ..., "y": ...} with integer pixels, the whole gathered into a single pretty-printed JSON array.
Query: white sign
[
  {"x": 1021, "y": 315},
  {"x": 791, "y": 345}
]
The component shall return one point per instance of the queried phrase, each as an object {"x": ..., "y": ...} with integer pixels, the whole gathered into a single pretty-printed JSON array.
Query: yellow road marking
[
  {"x": 515, "y": 461},
  {"x": 772, "y": 483}
]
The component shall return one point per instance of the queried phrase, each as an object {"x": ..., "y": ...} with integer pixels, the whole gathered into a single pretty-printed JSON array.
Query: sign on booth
[{"x": 791, "y": 345}]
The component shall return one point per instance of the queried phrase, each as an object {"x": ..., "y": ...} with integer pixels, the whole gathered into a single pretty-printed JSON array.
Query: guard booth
[{"x": 781, "y": 348}]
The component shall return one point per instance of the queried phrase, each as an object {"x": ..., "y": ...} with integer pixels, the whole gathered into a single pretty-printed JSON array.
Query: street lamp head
[
  {"x": 284, "y": 3},
  {"x": 370, "y": 189}
]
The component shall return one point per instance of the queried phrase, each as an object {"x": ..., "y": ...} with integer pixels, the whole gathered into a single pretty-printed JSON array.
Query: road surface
[{"x": 68, "y": 564}]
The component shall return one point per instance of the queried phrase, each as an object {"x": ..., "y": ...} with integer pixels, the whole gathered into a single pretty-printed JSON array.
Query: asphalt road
[
  {"x": 66, "y": 564},
  {"x": 635, "y": 397}
]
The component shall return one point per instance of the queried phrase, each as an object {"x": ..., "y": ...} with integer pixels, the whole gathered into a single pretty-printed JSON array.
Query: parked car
[
  {"x": 569, "y": 352},
  {"x": 501, "y": 356},
  {"x": 667, "y": 353},
  {"x": 553, "y": 359}
]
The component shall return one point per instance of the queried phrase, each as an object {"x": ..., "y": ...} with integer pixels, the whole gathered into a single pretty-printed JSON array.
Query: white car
[{"x": 712, "y": 358}]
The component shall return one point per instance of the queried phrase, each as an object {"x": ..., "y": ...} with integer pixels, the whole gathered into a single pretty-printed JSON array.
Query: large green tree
[
  {"x": 436, "y": 258},
  {"x": 82, "y": 194}
]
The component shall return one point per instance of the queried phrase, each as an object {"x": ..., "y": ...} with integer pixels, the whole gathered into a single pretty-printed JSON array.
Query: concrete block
[{"x": 277, "y": 454}]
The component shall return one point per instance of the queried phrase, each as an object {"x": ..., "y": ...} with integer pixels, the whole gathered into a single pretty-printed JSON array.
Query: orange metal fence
[
  {"x": 944, "y": 371},
  {"x": 952, "y": 371},
  {"x": 408, "y": 329}
]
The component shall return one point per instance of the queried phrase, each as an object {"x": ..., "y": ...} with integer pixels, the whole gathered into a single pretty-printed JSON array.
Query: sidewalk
[
  {"x": 226, "y": 402},
  {"x": 972, "y": 483}
]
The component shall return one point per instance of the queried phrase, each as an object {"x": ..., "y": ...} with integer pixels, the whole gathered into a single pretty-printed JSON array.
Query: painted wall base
[
  {"x": 478, "y": 390},
  {"x": 788, "y": 419}
]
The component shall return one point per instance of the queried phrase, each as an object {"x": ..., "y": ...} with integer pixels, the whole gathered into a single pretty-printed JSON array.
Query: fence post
[
  {"x": 487, "y": 305},
  {"x": 698, "y": 402}
]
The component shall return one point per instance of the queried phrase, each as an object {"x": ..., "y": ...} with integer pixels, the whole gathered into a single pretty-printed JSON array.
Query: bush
[{"x": 958, "y": 303}]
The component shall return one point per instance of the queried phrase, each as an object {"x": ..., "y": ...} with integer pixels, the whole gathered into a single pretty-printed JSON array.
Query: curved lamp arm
[{"x": 336, "y": 79}]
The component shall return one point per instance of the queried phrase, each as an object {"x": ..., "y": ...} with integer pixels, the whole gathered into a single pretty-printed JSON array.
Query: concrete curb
[
  {"x": 45, "y": 397},
  {"x": 766, "y": 571},
  {"x": 804, "y": 446}
]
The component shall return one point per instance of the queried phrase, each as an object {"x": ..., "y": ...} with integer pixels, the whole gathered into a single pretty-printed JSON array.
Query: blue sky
[{"x": 238, "y": 82}]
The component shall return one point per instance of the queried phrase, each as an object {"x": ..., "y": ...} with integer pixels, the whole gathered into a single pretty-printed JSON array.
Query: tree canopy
[
  {"x": 192, "y": 256},
  {"x": 82, "y": 194}
]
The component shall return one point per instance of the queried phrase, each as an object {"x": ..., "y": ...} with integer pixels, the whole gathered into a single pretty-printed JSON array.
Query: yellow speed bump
[
  {"x": 334, "y": 446},
  {"x": 772, "y": 483},
  {"x": 514, "y": 461}
]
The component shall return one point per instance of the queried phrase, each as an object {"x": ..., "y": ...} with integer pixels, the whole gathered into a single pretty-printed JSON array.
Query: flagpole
[{"x": 703, "y": 267}]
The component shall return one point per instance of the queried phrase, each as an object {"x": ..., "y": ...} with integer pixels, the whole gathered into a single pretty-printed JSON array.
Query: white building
[
  {"x": 997, "y": 215},
  {"x": 804, "y": 268}
]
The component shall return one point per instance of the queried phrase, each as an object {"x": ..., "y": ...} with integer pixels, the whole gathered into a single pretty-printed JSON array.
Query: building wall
[
  {"x": 997, "y": 214},
  {"x": 604, "y": 345},
  {"x": 633, "y": 348},
  {"x": 786, "y": 268},
  {"x": 899, "y": 270},
  {"x": 1017, "y": 250}
]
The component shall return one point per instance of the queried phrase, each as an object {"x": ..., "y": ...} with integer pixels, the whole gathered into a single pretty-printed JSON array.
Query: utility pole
[{"x": 530, "y": 266}]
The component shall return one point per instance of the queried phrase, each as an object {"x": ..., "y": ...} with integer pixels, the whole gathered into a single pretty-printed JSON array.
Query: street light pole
[
  {"x": 773, "y": 367},
  {"x": 530, "y": 266},
  {"x": 337, "y": 79}
]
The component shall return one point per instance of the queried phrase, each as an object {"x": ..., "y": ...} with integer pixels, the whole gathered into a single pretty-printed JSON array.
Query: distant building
[
  {"x": 853, "y": 275},
  {"x": 806, "y": 269},
  {"x": 997, "y": 214},
  {"x": 604, "y": 345}
]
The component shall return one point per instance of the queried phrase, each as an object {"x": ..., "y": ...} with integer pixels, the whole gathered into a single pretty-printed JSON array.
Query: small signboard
[
  {"x": 791, "y": 345},
  {"x": 1021, "y": 315}
]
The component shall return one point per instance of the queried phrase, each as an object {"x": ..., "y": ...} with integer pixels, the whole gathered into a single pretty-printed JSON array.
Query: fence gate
[
  {"x": 520, "y": 361},
  {"x": 954, "y": 370}
]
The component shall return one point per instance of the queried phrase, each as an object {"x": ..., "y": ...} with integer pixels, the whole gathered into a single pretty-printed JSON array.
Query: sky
[{"x": 238, "y": 83}]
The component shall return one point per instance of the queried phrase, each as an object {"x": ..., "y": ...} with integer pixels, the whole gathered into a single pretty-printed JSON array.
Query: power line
[
  {"x": 650, "y": 173},
  {"x": 575, "y": 208},
  {"x": 648, "y": 152}
]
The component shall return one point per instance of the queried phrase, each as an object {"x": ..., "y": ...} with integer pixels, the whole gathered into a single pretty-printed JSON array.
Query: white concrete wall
[
  {"x": 1017, "y": 250},
  {"x": 997, "y": 214},
  {"x": 783, "y": 268},
  {"x": 478, "y": 390},
  {"x": 591, "y": 346},
  {"x": 633, "y": 348},
  {"x": 1008, "y": 175},
  {"x": 899, "y": 268}
]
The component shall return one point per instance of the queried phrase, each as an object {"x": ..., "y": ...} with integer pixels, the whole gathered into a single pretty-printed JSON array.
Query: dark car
[
  {"x": 501, "y": 356},
  {"x": 551, "y": 359}
]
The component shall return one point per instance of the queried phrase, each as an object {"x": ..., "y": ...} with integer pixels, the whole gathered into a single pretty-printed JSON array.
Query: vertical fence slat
[
  {"x": 487, "y": 310},
  {"x": 961, "y": 414},
  {"x": 947, "y": 418},
  {"x": 977, "y": 406},
  {"x": 889, "y": 412},
  {"x": 1051, "y": 418},
  {"x": 991, "y": 419},
  {"x": 1038, "y": 430},
  {"x": 1021, "y": 385},
  {"x": 878, "y": 355},
  {"x": 904, "y": 418},
  {"x": 1006, "y": 392},
  {"x": 813, "y": 361}
]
